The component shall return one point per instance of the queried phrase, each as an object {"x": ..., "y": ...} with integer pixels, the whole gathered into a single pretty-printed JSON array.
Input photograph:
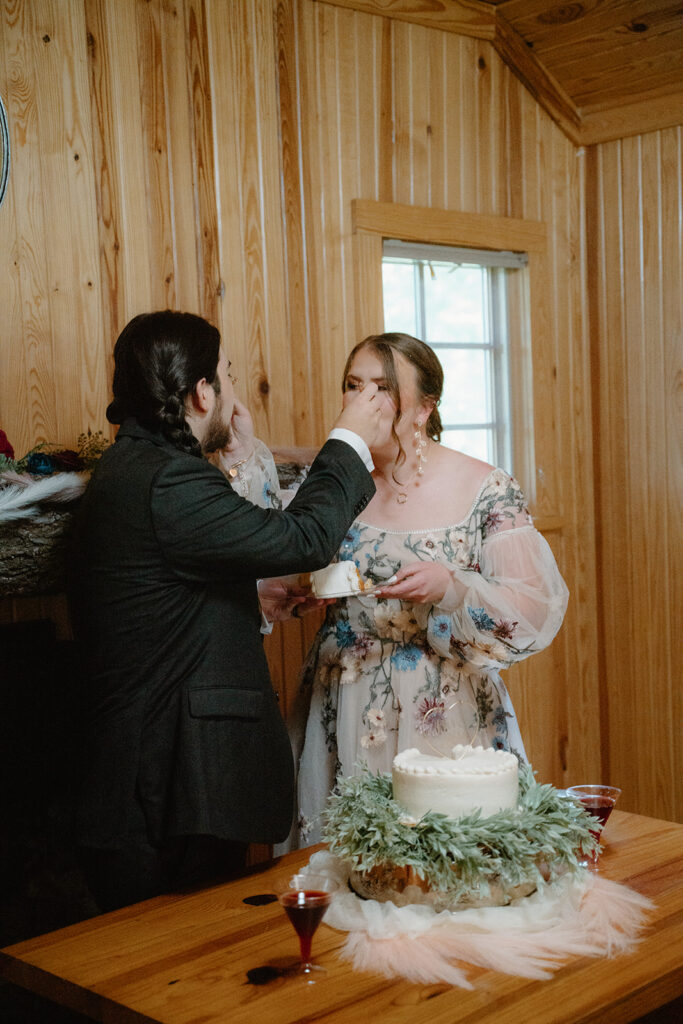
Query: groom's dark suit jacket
[{"x": 183, "y": 734}]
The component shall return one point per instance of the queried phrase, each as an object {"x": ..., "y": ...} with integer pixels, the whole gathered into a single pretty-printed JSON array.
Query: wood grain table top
[{"x": 183, "y": 959}]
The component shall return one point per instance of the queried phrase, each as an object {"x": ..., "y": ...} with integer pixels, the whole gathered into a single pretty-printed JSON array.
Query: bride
[{"x": 475, "y": 588}]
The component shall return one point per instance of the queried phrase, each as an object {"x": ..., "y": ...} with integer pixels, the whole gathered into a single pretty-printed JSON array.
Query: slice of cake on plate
[{"x": 338, "y": 579}]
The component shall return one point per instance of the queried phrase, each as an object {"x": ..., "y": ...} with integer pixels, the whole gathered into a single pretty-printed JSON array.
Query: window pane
[
  {"x": 399, "y": 297},
  {"x": 454, "y": 302},
  {"x": 465, "y": 391},
  {"x": 477, "y": 443}
]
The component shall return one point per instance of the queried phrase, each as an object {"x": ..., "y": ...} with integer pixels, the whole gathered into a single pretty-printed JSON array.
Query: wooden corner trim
[
  {"x": 463, "y": 17},
  {"x": 512, "y": 49},
  {"x": 647, "y": 115}
]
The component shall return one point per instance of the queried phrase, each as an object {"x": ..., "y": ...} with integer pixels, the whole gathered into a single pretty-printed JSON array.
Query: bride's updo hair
[
  {"x": 428, "y": 374},
  {"x": 158, "y": 360}
]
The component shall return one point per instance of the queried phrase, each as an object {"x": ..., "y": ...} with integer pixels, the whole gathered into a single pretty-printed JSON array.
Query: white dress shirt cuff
[{"x": 356, "y": 442}]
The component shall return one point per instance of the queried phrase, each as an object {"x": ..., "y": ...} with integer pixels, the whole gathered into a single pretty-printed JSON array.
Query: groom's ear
[{"x": 201, "y": 396}]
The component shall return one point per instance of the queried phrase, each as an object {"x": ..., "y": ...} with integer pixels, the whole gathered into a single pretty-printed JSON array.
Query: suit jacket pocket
[{"x": 225, "y": 702}]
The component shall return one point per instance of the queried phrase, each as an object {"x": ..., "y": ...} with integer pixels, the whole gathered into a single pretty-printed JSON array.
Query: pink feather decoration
[{"x": 592, "y": 918}]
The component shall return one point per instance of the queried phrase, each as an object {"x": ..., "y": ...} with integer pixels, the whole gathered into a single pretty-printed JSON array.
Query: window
[{"x": 456, "y": 300}]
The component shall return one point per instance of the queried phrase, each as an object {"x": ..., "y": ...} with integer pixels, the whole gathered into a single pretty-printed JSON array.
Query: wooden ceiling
[
  {"x": 603, "y": 69},
  {"x": 616, "y": 60}
]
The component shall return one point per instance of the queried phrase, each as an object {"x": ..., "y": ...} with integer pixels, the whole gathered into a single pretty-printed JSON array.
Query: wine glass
[
  {"x": 599, "y": 801},
  {"x": 305, "y": 898}
]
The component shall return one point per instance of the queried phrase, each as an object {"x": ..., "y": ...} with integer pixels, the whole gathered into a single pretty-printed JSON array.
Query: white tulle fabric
[{"x": 579, "y": 915}]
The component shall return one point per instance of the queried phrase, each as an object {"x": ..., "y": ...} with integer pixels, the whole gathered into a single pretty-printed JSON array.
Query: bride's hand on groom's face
[
  {"x": 362, "y": 414},
  {"x": 242, "y": 444}
]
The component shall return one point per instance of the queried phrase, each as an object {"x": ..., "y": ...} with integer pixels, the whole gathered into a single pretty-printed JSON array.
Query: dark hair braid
[
  {"x": 174, "y": 426},
  {"x": 158, "y": 360}
]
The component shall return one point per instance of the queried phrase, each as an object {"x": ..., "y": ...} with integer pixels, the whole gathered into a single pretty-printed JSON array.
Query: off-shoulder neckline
[{"x": 440, "y": 529}]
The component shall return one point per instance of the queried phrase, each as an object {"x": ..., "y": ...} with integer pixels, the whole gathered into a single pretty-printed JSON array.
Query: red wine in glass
[
  {"x": 305, "y": 900},
  {"x": 599, "y": 801}
]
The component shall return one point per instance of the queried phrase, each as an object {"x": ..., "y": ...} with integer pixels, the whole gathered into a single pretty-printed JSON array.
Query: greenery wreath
[{"x": 533, "y": 843}]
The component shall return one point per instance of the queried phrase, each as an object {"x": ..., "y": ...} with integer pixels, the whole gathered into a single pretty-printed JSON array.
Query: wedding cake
[
  {"x": 453, "y": 858},
  {"x": 473, "y": 778}
]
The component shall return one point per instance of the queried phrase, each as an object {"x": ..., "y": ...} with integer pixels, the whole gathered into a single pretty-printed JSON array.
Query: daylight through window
[{"x": 455, "y": 300}]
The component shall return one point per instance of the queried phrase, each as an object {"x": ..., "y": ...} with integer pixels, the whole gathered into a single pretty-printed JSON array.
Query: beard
[{"x": 218, "y": 432}]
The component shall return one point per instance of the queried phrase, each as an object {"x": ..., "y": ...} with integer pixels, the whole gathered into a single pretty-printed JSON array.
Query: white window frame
[
  {"x": 496, "y": 315},
  {"x": 528, "y": 292}
]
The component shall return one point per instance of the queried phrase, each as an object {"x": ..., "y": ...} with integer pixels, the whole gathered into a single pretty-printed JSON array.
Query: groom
[{"x": 186, "y": 758}]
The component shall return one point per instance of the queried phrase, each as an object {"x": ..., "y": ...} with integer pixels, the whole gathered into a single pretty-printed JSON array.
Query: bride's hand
[
  {"x": 242, "y": 444},
  {"x": 421, "y": 582}
]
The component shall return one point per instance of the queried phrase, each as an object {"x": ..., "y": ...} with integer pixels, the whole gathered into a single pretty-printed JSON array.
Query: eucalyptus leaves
[{"x": 534, "y": 843}]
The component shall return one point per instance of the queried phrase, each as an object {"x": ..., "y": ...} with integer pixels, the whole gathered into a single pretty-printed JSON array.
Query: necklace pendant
[{"x": 401, "y": 498}]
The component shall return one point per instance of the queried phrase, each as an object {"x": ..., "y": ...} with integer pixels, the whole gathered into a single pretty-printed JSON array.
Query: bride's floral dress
[{"x": 384, "y": 675}]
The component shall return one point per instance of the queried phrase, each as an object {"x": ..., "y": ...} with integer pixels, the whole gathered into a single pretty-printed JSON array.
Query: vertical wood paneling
[
  {"x": 252, "y": 252},
  {"x": 23, "y": 270},
  {"x": 294, "y": 225},
  {"x": 636, "y": 306},
  {"x": 182, "y": 203},
  {"x": 202, "y": 156},
  {"x": 466, "y": 121},
  {"x": 437, "y": 126},
  {"x": 155, "y": 132},
  {"x": 28, "y": 404},
  {"x": 119, "y": 164},
  {"x": 385, "y": 110},
  {"x": 69, "y": 210}
]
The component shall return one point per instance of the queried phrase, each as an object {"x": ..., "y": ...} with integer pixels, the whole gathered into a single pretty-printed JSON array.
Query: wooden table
[{"x": 183, "y": 959}]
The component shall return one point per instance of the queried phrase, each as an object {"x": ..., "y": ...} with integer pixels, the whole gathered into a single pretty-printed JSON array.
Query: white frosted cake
[
  {"x": 338, "y": 578},
  {"x": 473, "y": 778}
]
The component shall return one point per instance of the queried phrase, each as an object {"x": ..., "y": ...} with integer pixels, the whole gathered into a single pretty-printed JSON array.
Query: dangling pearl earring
[{"x": 420, "y": 445}]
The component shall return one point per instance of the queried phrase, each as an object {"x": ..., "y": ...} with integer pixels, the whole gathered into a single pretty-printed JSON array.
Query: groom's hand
[{"x": 362, "y": 414}]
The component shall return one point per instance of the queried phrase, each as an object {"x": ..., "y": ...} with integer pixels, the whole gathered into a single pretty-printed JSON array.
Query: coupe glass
[
  {"x": 599, "y": 801},
  {"x": 305, "y": 898}
]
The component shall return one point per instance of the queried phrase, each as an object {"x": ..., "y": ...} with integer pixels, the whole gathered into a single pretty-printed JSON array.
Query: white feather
[{"x": 21, "y": 496}]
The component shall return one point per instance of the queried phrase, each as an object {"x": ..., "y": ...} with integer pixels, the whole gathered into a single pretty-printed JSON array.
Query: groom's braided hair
[{"x": 158, "y": 360}]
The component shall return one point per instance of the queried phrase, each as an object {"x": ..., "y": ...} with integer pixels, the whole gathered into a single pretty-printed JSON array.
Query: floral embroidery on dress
[
  {"x": 376, "y": 735},
  {"x": 431, "y": 716},
  {"x": 386, "y": 674}
]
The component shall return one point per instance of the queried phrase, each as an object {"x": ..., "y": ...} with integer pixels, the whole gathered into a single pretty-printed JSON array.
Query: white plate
[{"x": 345, "y": 593}]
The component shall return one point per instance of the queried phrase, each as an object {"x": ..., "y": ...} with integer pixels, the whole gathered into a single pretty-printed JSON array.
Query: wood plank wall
[
  {"x": 145, "y": 175},
  {"x": 204, "y": 154},
  {"x": 635, "y": 276}
]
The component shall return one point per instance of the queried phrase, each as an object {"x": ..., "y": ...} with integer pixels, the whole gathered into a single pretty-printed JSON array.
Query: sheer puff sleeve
[
  {"x": 507, "y": 603},
  {"x": 254, "y": 478}
]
